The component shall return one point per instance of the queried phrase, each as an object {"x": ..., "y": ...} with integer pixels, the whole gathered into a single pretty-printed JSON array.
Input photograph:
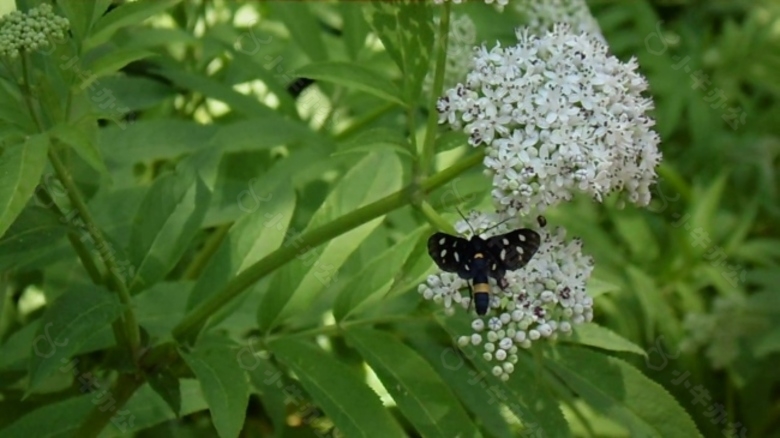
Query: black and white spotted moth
[{"x": 478, "y": 258}]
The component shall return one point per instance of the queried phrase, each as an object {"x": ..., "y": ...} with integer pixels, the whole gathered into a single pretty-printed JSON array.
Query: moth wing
[
  {"x": 514, "y": 249},
  {"x": 451, "y": 253}
]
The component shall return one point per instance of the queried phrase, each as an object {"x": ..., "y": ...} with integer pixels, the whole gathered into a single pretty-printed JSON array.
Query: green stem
[
  {"x": 98, "y": 419},
  {"x": 191, "y": 324},
  {"x": 130, "y": 325},
  {"x": 435, "y": 219},
  {"x": 335, "y": 328},
  {"x": 27, "y": 94},
  {"x": 368, "y": 118},
  {"x": 212, "y": 244},
  {"x": 429, "y": 143}
]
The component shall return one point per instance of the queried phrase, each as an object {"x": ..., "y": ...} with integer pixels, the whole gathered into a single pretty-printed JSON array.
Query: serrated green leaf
[
  {"x": 406, "y": 31},
  {"x": 250, "y": 239},
  {"x": 422, "y": 396},
  {"x": 110, "y": 63},
  {"x": 375, "y": 278},
  {"x": 225, "y": 386},
  {"x": 352, "y": 76},
  {"x": 71, "y": 320},
  {"x": 21, "y": 166},
  {"x": 124, "y": 15},
  {"x": 594, "y": 335},
  {"x": 616, "y": 389},
  {"x": 373, "y": 177},
  {"x": 352, "y": 406},
  {"x": 32, "y": 240},
  {"x": 83, "y": 139},
  {"x": 169, "y": 216}
]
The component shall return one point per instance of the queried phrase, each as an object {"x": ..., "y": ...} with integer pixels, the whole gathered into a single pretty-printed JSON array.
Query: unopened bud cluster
[{"x": 20, "y": 32}]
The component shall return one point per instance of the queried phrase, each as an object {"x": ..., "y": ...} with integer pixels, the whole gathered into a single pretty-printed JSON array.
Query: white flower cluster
[
  {"x": 30, "y": 31},
  {"x": 544, "y": 14},
  {"x": 558, "y": 115},
  {"x": 545, "y": 297},
  {"x": 461, "y": 39}
]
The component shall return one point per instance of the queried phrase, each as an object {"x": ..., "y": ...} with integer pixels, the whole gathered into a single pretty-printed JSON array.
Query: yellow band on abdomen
[{"x": 482, "y": 288}]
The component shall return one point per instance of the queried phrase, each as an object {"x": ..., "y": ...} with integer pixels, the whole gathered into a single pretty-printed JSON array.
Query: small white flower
[
  {"x": 487, "y": 356},
  {"x": 495, "y": 323},
  {"x": 500, "y": 354},
  {"x": 476, "y": 339},
  {"x": 497, "y": 370},
  {"x": 505, "y": 344},
  {"x": 508, "y": 367},
  {"x": 543, "y": 14},
  {"x": 478, "y": 325},
  {"x": 490, "y": 347}
]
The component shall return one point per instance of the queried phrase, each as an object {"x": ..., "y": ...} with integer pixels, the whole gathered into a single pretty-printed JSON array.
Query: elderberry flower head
[
  {"x": 557, "y": 115},
  {"x": 30, "y": 31},
  {"x": 461, "y": 39},
  {"x": 544, "y": 298},
  {"x": 544, "y": 14}
]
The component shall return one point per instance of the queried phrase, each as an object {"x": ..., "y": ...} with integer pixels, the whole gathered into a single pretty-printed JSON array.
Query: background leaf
[{"x": 20, "y": 168}]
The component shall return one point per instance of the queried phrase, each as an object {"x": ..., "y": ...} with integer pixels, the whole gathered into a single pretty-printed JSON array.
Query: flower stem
[
  {"x": 435, "y": 219},
  {"x": 209, "y": 248},
  {"x": 97, "y": 419},
  {"x": 189, "y": 327},
  {"x": 131, "y": 331},
  {"x": 429, "y": 144}
]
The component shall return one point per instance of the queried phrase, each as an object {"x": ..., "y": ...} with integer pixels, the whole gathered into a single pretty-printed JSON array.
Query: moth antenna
[
  {"x": 496, "y": 225},
  {"x": 473, "y": 231}
]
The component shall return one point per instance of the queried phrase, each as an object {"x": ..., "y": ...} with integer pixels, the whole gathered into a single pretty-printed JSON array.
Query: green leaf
[
  {"x": 111, "y": 62},
  {"x": 373, "y": 177},
  {"x": 374, "y": 139},
  {"x": 144, "y": 409},
  {"x": 125, "y": 15},
  {"x": 225, "y": 386},
  {"x": 596, "y": 287},
  {"x": 138, "y": 92},
  {"x": 622, "y": 393},
  {"x": 149, "y": 140},
  {"x": 421, "y": 395},
  {"x": 353, "y": 407},
  {"x": 452, "y": 367},
  {"x": 32, "y": 239},
  {"x": 303, "y": 27},
  {"x": 166, "y": 385},
  {"x": 451, "y": 140},
  {"x": 251, "y": 238},
  {"x": 526, "y": 394},
  {"x": 239, "y": 103},
  {"x": 601, "y": 337},
  {"x": 407, "y": 33},
  {"x": 707, "y": 203},
  {"x": 261, "y": 133},
  {"x": 352, "y": 76},
  {"x": 169, "y": 217},
  {"x": 82, "y": 13},
  {"x": 355, "y": 29},
  {"x": 83, "y": 139},
  {"x": 161, "y": 307},
  {"x": 265, "y": 378},
  {"x": 768, "y": 343},
  {"x": 376, "y": 277},
  {"x": 21, "y": 166},
  {"x": 71, "y": 320}
]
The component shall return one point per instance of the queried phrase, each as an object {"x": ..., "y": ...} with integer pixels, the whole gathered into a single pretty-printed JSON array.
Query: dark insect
[{"x": 478, "y": 258}]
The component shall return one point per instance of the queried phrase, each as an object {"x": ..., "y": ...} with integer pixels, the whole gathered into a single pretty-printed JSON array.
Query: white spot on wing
[
  {"x": 522, "y": 237},
  {"x": 506, "y": 241},
  {"x": 467, "y": 268},
  {"x": 443, "y": 252},
  {"x": 442, "y": 240},
  {"x": 519, "y": 250},
  {"x": 457, "y": 257},
  {"x": 503, "y": 254}
]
